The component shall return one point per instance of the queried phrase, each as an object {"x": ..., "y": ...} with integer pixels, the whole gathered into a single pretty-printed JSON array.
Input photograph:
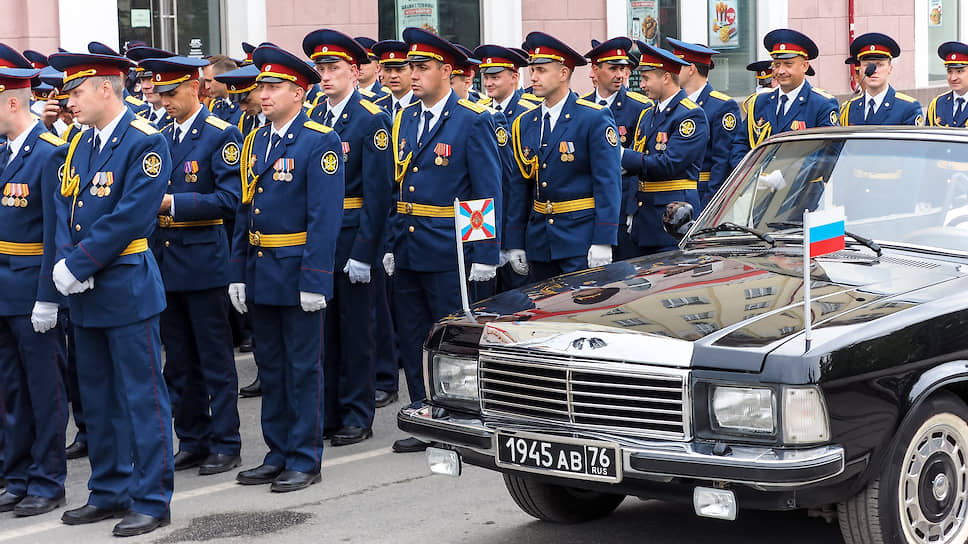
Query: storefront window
[
  {"x": 651, "y": 21},
  {"x": 942, "y": 27},
  {"x": 458, "y": 21},
  {"x": 731, "y": 30},
  {"x": 191, "y": 28}
]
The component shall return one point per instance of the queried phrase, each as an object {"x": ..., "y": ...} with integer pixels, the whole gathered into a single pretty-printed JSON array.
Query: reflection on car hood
[{"x": 654, "y": 309}]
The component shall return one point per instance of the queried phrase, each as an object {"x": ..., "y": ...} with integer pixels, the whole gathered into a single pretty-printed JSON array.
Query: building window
[
  {"x": 943, "y": 25},
  {"x": 731, "y": 30},
  {"x": 458, "y": 21},
  {"x": 651, "y": 21},
  {"x": 191, "y": 28}
]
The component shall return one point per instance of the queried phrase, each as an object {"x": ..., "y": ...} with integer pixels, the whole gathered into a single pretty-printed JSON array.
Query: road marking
[{"x": 191, "y": 494}]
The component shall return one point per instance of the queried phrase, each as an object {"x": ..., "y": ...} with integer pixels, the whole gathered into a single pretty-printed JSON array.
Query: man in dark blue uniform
[
  {"x": 763, "y": 74},
  {"x": 192, "y": 250},
  {"x": 156, "y": 112},
  {"x": 32, "y": 350},
  {"x": 879, "y": 104},
  {"x": 950, "y": 109},
  {"x": 445, "y": 149},
  {"x": 136, "y": 105},
  {"x": 370, "y": 86},
  {"x": 722, "y": 113},
  {"x": 222, "y": 105},
  {"x": 397, "y": 73},
  {"x": 364, "y": 129},
  {"x": 283, "y": 265},
  {"x": 565, "y": 202},
  {"x": 113, "y": 181},
  {"x": 670, "y": 142}
]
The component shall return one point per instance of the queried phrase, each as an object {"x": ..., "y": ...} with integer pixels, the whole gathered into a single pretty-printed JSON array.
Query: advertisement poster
[
  {"x": 723, "y": 31},
  {"x": 419, "y": 13},
  {"x": 644, "y": 15},
  {"x": 935, "y": 14}
]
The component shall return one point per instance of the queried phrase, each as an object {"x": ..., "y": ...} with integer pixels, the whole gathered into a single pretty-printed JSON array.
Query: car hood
[{"x": 657, "y": 309}]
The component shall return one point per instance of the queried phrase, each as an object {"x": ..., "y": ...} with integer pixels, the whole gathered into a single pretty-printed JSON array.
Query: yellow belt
[
  {"x": 424, "y": 210},
  {"x": 671, "y": 185},
  {"x": 577, "y": 205},
  {"x": 166, "y": 222},
  {"x": 352, "y": 203},
  {"x": 277, "y": 240},
  {"x": 137, "y": 246},
  {"x": 703, "y": 176},
  {"x": 21, "y": 249}
]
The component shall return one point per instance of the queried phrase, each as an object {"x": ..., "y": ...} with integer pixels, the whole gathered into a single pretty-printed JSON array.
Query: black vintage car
[{"x": 687, "y": 376}]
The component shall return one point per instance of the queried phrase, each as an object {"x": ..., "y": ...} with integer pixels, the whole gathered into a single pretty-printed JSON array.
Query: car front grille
[{"x": 586, "y": 394}]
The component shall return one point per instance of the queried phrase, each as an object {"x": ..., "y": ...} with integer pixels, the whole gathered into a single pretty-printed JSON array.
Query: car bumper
[{"x": 761, "y": 467}]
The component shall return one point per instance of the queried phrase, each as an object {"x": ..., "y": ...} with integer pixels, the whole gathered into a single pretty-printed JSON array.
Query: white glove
[
  {"x": 359, "y": 271},
  {"x": 44, "y": 316},
  {"x": 237, "y": 297},
  {"x": 311, "y": 302},
  {"x": 504, "y": 258},
  {"x": 66, "y": 283},
  {"x": 388, "y": 263},
  {"x": 519, "y": 261},
  {"x": 773, "y": 181},
  {"x": 482, "y": 272},
  {"x": 628, "y": 224},
  {"x": 599, "y": 255}
]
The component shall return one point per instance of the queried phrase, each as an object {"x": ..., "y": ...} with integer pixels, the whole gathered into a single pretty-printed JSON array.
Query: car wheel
[
  {"x": 922, "y": 492},
  {"x": 558, "y": 503}
]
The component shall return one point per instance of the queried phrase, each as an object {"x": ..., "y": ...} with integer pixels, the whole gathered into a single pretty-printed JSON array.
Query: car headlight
[
  {"x": 454, "y": 378},
  {"x": 743, "y": 409},
  {"x": 804, "y": 416}
]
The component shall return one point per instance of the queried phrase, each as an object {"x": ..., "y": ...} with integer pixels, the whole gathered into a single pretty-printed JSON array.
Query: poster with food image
[
  {"x": 419, "y": 13},
  {"x": 644, "y": 17},
  {"x": 935, "y": 13},
  {"x": 723, "y": 31}
]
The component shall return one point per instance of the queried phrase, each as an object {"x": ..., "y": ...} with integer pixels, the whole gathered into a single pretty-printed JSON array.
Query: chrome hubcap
[
  {"x": 939, "y": 487},
  {"x": 933, "y": 488}
]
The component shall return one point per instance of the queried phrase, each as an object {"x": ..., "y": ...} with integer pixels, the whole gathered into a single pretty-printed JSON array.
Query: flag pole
[
  {"x": 460, "y": 264},
  {"x": 806, "y": 279}
]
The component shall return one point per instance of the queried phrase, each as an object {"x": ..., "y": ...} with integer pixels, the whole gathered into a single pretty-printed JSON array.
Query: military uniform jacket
[
  {"x": 941, "y": 111},
  {"x": 581, "y": 161},
  {"x": 226, "y": 110},
  {"x": 516, "y": 106},
  {"x": 136, "y": 105},
  {"x": 28, "y": 185},
  {"x": 464, "y": 135},
  {"x": 247, "y": 123},
  {"x": 811, "y": 108},
  {"x": 386, "y": 102},
  {"x": 723, "y": 150},
  {"x": 106, "y": 209},
  {"x": 306, "y": 198},
  {"x": 193, "y": 249},
  {"x": 896, "y": 109},
  {"x": 162, "y": 120},
  {"x": 364, "y": 130}
]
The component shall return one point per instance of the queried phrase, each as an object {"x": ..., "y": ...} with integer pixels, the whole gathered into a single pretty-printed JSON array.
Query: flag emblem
[
  {"x": 475, "y": 220},
  {"x": 825, "y": 231}
]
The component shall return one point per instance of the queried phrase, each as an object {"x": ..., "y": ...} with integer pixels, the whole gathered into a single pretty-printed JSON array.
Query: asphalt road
[{"x": 369, "y": 494}]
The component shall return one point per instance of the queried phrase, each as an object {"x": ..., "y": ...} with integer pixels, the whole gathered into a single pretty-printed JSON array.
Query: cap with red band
[
  {"x": 544, "y": 48},
  {"x": 954, "y": 54},
  {"x": 784, "y": 43},
  {"x": 278, "y": 65},
  {"x": 613, "y": 51},
  {"x": 874, "y": 45},
  {"x": 168, "y": 73},
  {"x": 325, "y": 46},
  {"x": 77, "y": 67},
  {"x": 423, "y": 46},
  {"x": 17, "y": 78}
]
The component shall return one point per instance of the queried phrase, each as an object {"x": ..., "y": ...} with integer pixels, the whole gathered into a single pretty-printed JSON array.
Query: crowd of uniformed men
[{"x": 315, "y": 198}]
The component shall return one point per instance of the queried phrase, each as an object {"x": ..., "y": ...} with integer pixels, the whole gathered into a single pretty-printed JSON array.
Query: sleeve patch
[
  {"x": 151, "y": 164},
  {"x": 687, "y": 128},
  {"x": 329, "y": 162},
  {"x": 833, "y": 118},
  {"x": 381, "y": 139},
  {"x": 611, "y": 136},
  {"x": 502, "y": 136},
  {"x": 230, "y": 153}
]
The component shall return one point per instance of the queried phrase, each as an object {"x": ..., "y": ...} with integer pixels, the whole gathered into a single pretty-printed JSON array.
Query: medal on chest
[
  {"x": 101, "y": 185},
  {"x": 567, "y": 150},
  {"x": 283, "y": 169},
  {"x": 660, "y": 141},
  {"x": 15, "y": 195},
  {"x": 442, "y": 151},
  {"x": 191, "y": 171}
]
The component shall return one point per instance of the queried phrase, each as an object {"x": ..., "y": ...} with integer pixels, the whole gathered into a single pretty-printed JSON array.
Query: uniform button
[
  {"x": 259, "y": 254},
  {"x": 80, "y": 203},
  {"x": 77, "y": 228},
  {"x": 256, "y": 211},
  {"x": 411, "y": 228},
  {"x": 260, "y": 189},
  {"x": 640, "y": 204},
  {"x": 544, "y": 183},
  {"x": 167, "y": 243},
  {"x": 415, "y": 169},
  {"x": 169, "y": 183},
  {"x": 412, "y": 188},
  {"x": 551, "y": 221}
]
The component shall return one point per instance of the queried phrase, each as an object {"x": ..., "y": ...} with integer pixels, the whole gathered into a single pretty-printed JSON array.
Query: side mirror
[{"x": 678, "y": 219}]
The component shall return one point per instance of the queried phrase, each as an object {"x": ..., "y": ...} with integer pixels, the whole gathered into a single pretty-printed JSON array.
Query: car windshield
[{"x": 894, "y": 191}]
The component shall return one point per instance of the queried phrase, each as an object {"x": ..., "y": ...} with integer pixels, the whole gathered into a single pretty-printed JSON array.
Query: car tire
[
  {"x": 921, "y": 494},
  {"x": 558, "y": 503}
]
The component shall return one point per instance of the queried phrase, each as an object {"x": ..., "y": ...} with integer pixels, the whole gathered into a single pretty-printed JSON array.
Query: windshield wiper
[
  {"x": 729, "y": 226},
  {"x": 870, "y": 244}
]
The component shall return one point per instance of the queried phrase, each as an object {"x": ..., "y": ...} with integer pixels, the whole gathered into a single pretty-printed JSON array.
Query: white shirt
[
  {"x": 187, "y": 125},
  {"x": 435, "y": 110},
  {"x": 160, "y": 112},
  {"x": 281, "y": 132},
  {"x": 19, "y": 141},
  {"x": 505, "y": 104},
  {"x": 878, "y": 100},
  {"x": 608, "y": 101},
  {"x": 954, "y": 102},
  {"x": 105, "y": 133},
  {"x": 695, "y": 96},
  {"x": 404, "y": 102},
  {"x": 791, "y": 96},
  {"x": 337, "y": 109},
  {"x": 665, "y": 103},
  {"x": 555, "y": 111}
]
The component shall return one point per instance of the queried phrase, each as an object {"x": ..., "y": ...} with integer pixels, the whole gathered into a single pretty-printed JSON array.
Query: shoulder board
[
  {"x": 485, "y": 101},
  {"x": 216, "y": 122},
  {"x": 822, "y": 92},
  {"x": 51, "y": 139},
  {"x": 531, "y": 97},
  {"x": 144, "y": 126},
  {"x": 689, "y": 103},
  {"x": 385, "y": 89},
  {"x": 588, "y": 96},
  {"x": 905, "y": 97},
  {"x": 638, "y": 97},
  {"x": 318, "y": 127},
  {"x": 381, "y": 99},
  {"x": 528, "y": 105},
  {"x": 133, "y": 100},
  {"x": 366, "y": 92},
  {"x": 308, "y": 105},
  {"x": 409, "y": 105},
  {"x": 587, "y": 104},
  {"x": 722, "y": 96},
  {"x": 476, "y": 108},
  {"x": 371, "y": 107}
]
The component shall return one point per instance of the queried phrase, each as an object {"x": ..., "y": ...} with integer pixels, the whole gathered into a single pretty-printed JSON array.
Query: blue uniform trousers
[
  {"x": 73, "y": 392},
  {"x": 35, "y": 404},
  {"x": 542, "y": 270},
  {"x": 386, "y": 355},
  {"x": 419, "y": 300},
  {"x": 507, "y": 279},
  {"x": 289, "y": 351},
  {"x": 199, "y": 359},
  {"x": 128, "y": 416}
]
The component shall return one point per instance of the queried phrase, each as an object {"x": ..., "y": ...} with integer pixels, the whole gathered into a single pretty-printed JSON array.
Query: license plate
[{"x": 570, "y": 458}]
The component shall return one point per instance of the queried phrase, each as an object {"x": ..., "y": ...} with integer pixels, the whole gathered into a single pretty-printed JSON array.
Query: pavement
[{"x": 370, "y": 494}]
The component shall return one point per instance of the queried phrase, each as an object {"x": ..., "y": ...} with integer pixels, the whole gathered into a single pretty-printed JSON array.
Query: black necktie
[
  {"x": 603, "y": 102},
  {"x": 546, "y": 129},
  {"x": 274, "y": 141},
  {"x": 396, "y": 108},
  {"x": 959, "y": 109},
  {"x": 176, "y": 135},
  {"x": 154, "y": 117},
  {"x": 95, "y": 150},
  {"x": 870, "y": 109},
  {"x": 329, "y": 118},
  {"x": 427, "y": 116},
  {"x": 498, "y": 107},
  {"x": 783, "y": 100}
]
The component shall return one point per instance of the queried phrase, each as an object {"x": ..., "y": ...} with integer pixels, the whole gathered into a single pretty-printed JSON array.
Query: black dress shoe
[
  {"x": 409, "y": 445},
  {"x": 77, "y": 450},
  {"x": 188, "y": 459},
  {"x": 262, "y": 474},
  {"x": 292, "y": 480},
  {"x": 385, "y": 398},
  {"x": 254, "y": 389},
  {"x": 245, "y": 346},
  {"x": 8, "y": 501},
  {"x": 350, "y": 435},
  {"x": 91, "y": 514},
  {"x": 33, "y": 505},
  {"x": 217, "y": 463},
  {"x": 135, "y": 523}
]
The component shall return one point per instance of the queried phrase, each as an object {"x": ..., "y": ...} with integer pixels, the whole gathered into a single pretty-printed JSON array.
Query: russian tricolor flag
[{"x": 824, "y": 231}]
